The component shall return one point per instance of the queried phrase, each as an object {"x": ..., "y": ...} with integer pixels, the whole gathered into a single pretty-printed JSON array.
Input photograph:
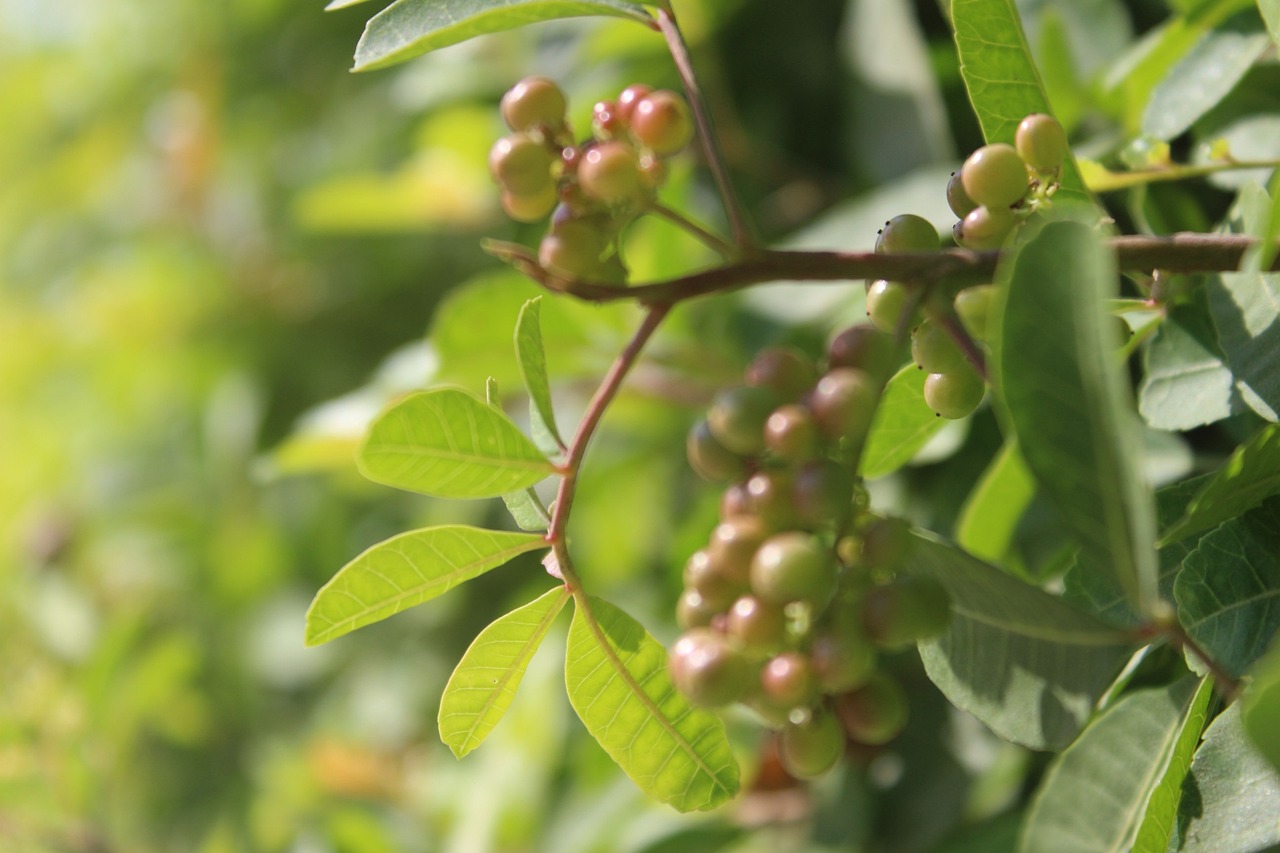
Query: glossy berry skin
[
  {"x": 693, "y": 611},
  {"x": 843, "y": 404},
  {"x": 793, "y": 566},
  {"x": 973, "y": 306},
  {"x": 531, "y": 207},
  {"x": 866, "y": 348},
  {"x": 574, "y": 248},
  {"x": 933, "y": 350},
  {"x": 842, "y": 659},
  {"x": 709, "y": 458},
  {"x": 532, "y": 102},
  {"x": 953, "y": 395},
  {"x": 770, "y": 494},
  {"x": 717, "y": 582},
  {"x": 907, "y": 233},
  {"x": 737, "y": 417},
  {"x": 957, "y": 198},
  {"x": 792, "y": 435},
  {"x": 787, "y": 680},
  {"x": 821, "y": 494},
  {"x": 521, "y": 164},
  {"x": 786, "y": 371},
  {"x": 985, "y": 228},
  {"x": 708, "y": 669},
  {"x": 606, "y": 123},
  {"x": 1041, "y": 142},
  {"x": 660, "y": 121},
  {"x": 760, "y": 628},
  {"x": 886, "y": 303},
  {"x": 628, "y": 99},
  {"x": 734, "y": 543},
  {"x": 610, "y": 174},
  {"x": 995, "y": 176},
  {"x": 908, "y": 609},
  {"x": 735, "y": 501},
  {"x": 875, "y": 713},
  {"x": 811, "y": 749}
]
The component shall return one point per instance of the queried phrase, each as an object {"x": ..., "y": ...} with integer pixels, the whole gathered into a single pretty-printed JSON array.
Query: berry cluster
[
  {"x": 784, "y": 609},
  {"x": 591, "y": 189}
]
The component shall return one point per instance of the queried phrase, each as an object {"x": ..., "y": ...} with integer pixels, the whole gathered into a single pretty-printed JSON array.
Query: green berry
[
  {"x": 957, "y": 198},
  {"x": 907, "y": 233},
  {"x": 786, "y": 371},
  {"x": 985, "y": 228},
  {"x": 953, "y": 395},
  {"x": 707, "y": 668},
  {"x": 1041, "y": 142},
  {"x": 709, "y": 458},
  {"x": 885, "y": 543},
  {"x": 529, "y": 208},
  {"x": 995, "y": 176},
  {"x": 886, "y": 303},
  {"x": 532, "y": 102},
  {"x": 793, "y": 566},
  {"x": 717, "y": 582},
  {"x": 908, "y": 609},
  {"x": 843, "y": 404},
  {"x": 521, "y": 164},
  {"x": 610, "y": 174},
  {"x": 842, "y": 657},
  {"x": 737, "y": 417},
  {"x": 875, "y": 713},
  {"x": 787, "y": 680},
  {"x": 660, "y": 121},
  {"x": 759, "y": 627},
  {"x": 866, "y": 348},
  {"x": 934, "y": 351},
  {"x": 792, "y": 434},
  {"x": 575, "y": 247},
  {"x": 973, "y": 306},
  {"x": 812, "y": 748}
]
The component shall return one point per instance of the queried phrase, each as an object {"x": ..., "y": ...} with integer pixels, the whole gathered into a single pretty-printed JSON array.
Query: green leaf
[
  {"x": 1161, "y": 813},
  {"x": 342, "y": 4},
  {"x": 1186, "y": 382},
  {"x": 1231, "y": 801},
  {"x": 1001, "y": 77},
  {"x": 524, "y": 505},
  {"x": 1260, "y": 705},
  {"x": 406, "y": 570},
  {"x": 1250, "y": 476},
  {"x": 447, "y": 443},
  {"x": 991, "y": 512},
  {"x": 1068, "y": 401},
  {"x": 486, "y": 679},
  {"x": 1228, "y": 592},
  {"x": 617, "y": 680},
  {"x": 1270, "y": 10},
  {"x": 409, "y": 28},
  {"x": 1022, "y": 661},
  {"x": 1205, "y": 76},
  {"x": 1094, "y": 795},
  {"x": 533, "y": 368},
  {"x": 903, "y": 424}
]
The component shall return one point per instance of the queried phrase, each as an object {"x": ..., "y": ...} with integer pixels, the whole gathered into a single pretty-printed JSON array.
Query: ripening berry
[
  {"x": 907, "y": 233},
  {"x": 792, "y": 435},
  {"x": 842, "y": 658},
  {"x": 787, "y": 680},
  {"x": 866, "y": 348},
  {"x": 733, "y": 546},
  {"x": 693, "y": 611},
  {"x": 875, "y": 713},
  {"x": 793, "y": 566},
  {"x": 629, "y": 97},
  {"x": 811, "y": 748},
  {"x": 886, "y": 303},
  {"x": 717, "y": 581},
  {"x": 995, "y": 176},
  {"x": 759, "y": 627},
  {"x": 954, "y": 395},
  {"x": 957, "y": 198},
  {"x": 1041, "y": 142},
  {"x": 521, "y": 164},
  {"x": 709, "y": 458},
  {"x": 532, "y": 102},
  {"x": 737, "y": 417},
  {"x": 821, "y": 494},
  {"x": 885, "y": 542},
  {"x": 735, "y": 501},
  {"x": 707, "y": 668},
  {"x": 610, "y": 174},
  {"x": 606, "y": 123},
  {"x": 770, "y": 493},
  {"x": 529, "y": 208},
  {"x": 660, "y": 121},
  {"x": 973, "y": 307},
  {"x": 785, "y": 370},
  {"x": 574, "y": 248},
  {"x": 843, "y": 404},
  {"x": 933, "y": 350},
  {"x": 908, "y": 609},
  {"x": 985, "y": 228}
]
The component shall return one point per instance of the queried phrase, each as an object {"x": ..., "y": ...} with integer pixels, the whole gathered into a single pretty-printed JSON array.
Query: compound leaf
[
  {"x": 445, "y": 442},
  {"x": 617, "y": 680},
  {"x": 903, "y": 424},
  {"x": 485, "y": 680},
  {"x": 1022, "y": 661},
  {"x": 406, "y": 570},
  {"x": 409, "y": 28}
]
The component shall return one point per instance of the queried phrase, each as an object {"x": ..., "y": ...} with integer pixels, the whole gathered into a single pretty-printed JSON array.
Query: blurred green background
[{"x": 220, "y": 253}]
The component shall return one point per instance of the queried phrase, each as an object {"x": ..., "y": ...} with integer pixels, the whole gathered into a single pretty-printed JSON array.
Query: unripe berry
[
  {"x": 610, "y": 174},
  {"x": 786, "y": 371},
  {"x": 907, "y": 233},
  {"x": 734, "y": 543},
  {"x": 735, "y": 501},
  {"x": 737, "y": 417},
  {"x": 985, "y": 228},
  {"x": 820, "y": 494},
  {"x": 953, "y": 395},
  {"x": 973, "y": 306},
  {"x": 811, "y": 748},
  {"x": 760, "y": 628},
  {"x": 660, "y": 121},
  {"x": 875, "y": 713},
  {"x": 957, "y": 198},
  {"x": 707, "y": 669},
  {"x": 629, "y": 97},
  {"x": 715, "y": 580},
  {"x": 791, "y": 567},
  {"x": 606, "y": 123},
  {"x": 693, "y": 611},
  {"x": 866, "y": 348},
  {"x": 770, "y": 493},
  {"x": 1041, "y": 142},
  {"x": 886, "y": 303},
  {"x": 574, "y": 248},
  {"x": 791, "y": 434},
  {"x": 529, "y": 208},
  {"x": 532, "y": 102},
  {"x": 787, "y": 680},
  {"x": 709, "y": 458},
  {"x": 904, "y": 611},
  {"x": 885, "y": 543},
  {"x": 843, "y": 404},
  {"x": 842, "y": 658},
  {"x": 521, "y": 164},
  {"x": 933, "y": 350},
  {"x": 995, "y": 176}
]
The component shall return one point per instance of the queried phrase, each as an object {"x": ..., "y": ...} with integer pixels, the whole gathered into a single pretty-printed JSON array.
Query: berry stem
[
  {"x": 707, "y": 137},
  {"x": 725, "y": 249},
  {"x": 556, "y": 532},
  {"x": 951, "y": 324}
]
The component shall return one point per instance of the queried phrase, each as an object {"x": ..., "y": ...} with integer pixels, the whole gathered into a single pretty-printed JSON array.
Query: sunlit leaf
[
  {"x": 1162, "y": 808},
  {"x": 1094, "y": 795},
  {"x": 486, "y": 679},
  {"x": 409, "y": 28},
  {"x": 1271, "y": 14},
  {"x": 617, "y": 680},
  {"x": 1069, "y": 404},
  {"x": 1231, "y": 802},
  {"x": 1024, "y": 662},
  {"x": 991, "y": 512},
  {"x": 533, "y": 366},
  {"x": 903, "y": 424},
  {"x": 406, "y": 570},
  {"x": 1228, "y": 592},
  {"x": 1250, "y": 476},
  {"x": 446, "y": 442},
  {"x": 1260, "y": 705}
]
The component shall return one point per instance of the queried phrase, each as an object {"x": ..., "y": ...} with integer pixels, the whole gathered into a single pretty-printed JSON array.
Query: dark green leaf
[
  {"x": 1186, "y": 382},
  {"x": 1162, "y": 808},
  {"x": 533, "y": 368},
  {"x": 1095, "y": 793},
  {"x": 1250, "y": 476},
  {"x": 446, "y": 442},
  {"x": 1231, "y": 800},
  {"x": 903, "y": 424},
  {"x": 1204, "y": 76},
  {"x": 1069, "y": 403},
  {"x": 1022, "y": 661},
  {"x": 486, "y": 679},
  {"x": 1260, "y": 705},
  {"x": 1004, "y": 85},
  {"x": 406, "y": 570},
  {"x": 617, "y": 679},
  {"x": 992, "y": 510},
  {"x": 409, "y": 28}
]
